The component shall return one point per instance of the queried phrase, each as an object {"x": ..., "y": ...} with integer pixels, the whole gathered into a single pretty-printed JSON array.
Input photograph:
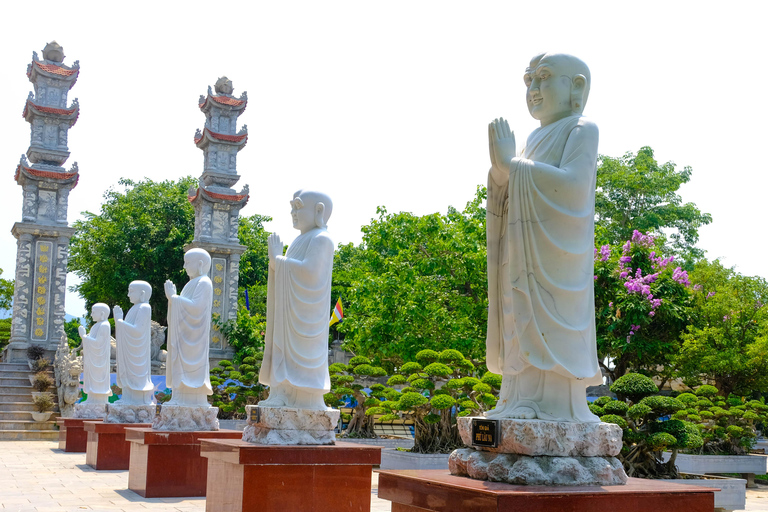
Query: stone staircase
[{"x": 16, "y": 404}]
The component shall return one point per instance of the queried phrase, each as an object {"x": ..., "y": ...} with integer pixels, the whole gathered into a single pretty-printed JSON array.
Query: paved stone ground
[{"x": 35, "y": 476}]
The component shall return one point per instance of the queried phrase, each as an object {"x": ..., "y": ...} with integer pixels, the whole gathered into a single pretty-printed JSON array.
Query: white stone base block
[
  {"x": 128, "y": 413},
  {"x": 551, "y": 438},
  {"x": 542, "y": 470},
  {"x": 90, "y": 411},
  {"x": 290, "y": 426},
  {"x": 186, "y": 418}
]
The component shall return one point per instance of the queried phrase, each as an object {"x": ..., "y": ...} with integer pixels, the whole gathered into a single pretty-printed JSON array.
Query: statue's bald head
[
  {"x": 142, "y": 287},
  {"x": 100, "y": 310},
  {"x": 200, "y": 259},
  {"x": 572, "y": 67},
  {"x": 313, "y": 199}
]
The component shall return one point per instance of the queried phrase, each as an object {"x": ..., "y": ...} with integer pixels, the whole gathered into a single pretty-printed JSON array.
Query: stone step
[
  {"x": 14, "y": 381},
  {"x": 6, "y": 397},
  {"x": 27, "y": 425},
  {"x": 17, "y": 406},
  {"x": 17, "y": 390},
  {"x": 16, "y": 415},
  {"x": 18, "y": 375},
  {"x": 29, "y": 435},
  {"x": 14, "y": 367}
]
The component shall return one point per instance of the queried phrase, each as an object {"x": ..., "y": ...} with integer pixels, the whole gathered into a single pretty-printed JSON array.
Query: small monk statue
[
  {"x": 189, "y": 327},
  {"x": 295, "y": 365},
  {"x": 540, "y": 235},
  {"x": 96, "y": 348},
  {"x": 134, "y": 346}
]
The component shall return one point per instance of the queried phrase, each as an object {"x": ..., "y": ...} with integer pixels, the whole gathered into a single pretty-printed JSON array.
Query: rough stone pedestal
[
  {"x": 90, "y": 411},
  {"x": 290, "y": 426},
  {"x": 128, "y": 413},
  {"x": 186, "y": 418},
  {"x": 538, "y": 452}
]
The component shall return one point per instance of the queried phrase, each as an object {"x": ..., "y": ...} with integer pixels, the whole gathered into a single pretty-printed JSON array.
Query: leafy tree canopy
[
  {"x": 416, "y": 283},
  {"x": 140, "y": 233},
  {"x": 727, "y": 341},
  {"x": 635, "y": 192},
  {"x": 6, "y": 292}
]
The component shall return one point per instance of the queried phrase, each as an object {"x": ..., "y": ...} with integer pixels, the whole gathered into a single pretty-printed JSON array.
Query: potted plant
[
  {"x": 43, "y": 407},
  {"x": 34, "y": 353},
  {"x": 41, "y": 383}
]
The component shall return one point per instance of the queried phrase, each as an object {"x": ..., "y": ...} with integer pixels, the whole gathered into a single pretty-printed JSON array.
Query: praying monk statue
[
  {"x": 540, "y": 232},
  {"x": 187, "y": 370},
  {"x": 295, "y": 365},
  {"x": 96, "y": 348},
  {"x": 134, "y": 346}
]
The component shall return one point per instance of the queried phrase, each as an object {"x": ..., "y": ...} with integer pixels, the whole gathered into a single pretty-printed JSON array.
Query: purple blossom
[
  {"x": 625, "y": 259},
  {"x": 623, "y": 275},
  {"x": 710, "y": 294},
  {"x": 697, "y": 287},
  {"x": 605, "y": 252},
  {"x": 651, "y": 313},
  {"x": 681, "y": 276},
  {"x": 610, "y": 304}
]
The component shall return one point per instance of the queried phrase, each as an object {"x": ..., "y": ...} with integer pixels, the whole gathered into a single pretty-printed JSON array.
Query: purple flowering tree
[
  {"x": 641, "y": 307},
  {"x": 727, "y": 341}
]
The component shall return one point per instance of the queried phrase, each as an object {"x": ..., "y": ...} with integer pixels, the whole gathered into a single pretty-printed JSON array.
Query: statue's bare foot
[
  {"x": 273, "y": 401},
  {"x": 523, "y": 413}
]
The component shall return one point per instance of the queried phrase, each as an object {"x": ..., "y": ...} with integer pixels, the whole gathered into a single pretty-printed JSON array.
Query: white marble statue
[
  {"x": 96, "y": 345},
  {"x": 187, "y": 370},
  {"x": 295, "y": 363},
  {"x": 540, "y": 230},
  {"x": 134, "y": 346}
]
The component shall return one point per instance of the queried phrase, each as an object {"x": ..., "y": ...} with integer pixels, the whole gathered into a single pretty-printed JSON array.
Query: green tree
[
  {"x": 638, "y": 411},
  {"x": 349, "y": 381},
  {"x": 6, "y": 292},
  {"x": 635, "y": 192},
  {"x": 727, "y": 342},
  {"x": 641, "y": 306},
  {"x": 415, "y": 283},
  {"x": 438, "y": 387},
  {"x": 140, "y": 233}
]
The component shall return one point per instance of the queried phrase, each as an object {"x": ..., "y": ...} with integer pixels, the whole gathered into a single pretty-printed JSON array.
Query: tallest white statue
[{"x": 540, "y": 231}]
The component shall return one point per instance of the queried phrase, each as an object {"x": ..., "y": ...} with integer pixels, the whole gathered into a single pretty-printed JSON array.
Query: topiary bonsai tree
[
  {"x": 348, "y": 382},
  {"x": 647, "y": 431},
  {"x": 234, "y": 387},
  {"x": 437, "y": 388},
  {"x": 727, "y": 425}
]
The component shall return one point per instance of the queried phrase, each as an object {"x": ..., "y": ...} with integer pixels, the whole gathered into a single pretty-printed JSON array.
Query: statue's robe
[
  {"x": 540, "y": 232},
  {"x": 298, "y": 305},
  {"x": 96, "y": 349},
  {"x": 189, "y": 332},
  {"x": 134, "y": 347}
]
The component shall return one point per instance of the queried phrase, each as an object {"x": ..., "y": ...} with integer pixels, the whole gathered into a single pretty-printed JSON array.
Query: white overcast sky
[{"x": 387, "y": 103}]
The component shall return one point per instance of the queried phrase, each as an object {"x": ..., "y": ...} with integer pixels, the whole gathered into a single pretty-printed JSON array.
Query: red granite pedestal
[
  {"x": 439, "y": 491},
  {"x": 72, "y": 437},
  {"x": 246, "y": 477},
  {"x": 166, "y": 464},
  {"x": 106, "y": 447}
]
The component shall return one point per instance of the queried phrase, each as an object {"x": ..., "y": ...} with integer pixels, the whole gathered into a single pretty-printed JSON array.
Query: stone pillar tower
[
  {"x": 43, "y": 235},
  {"x": 217, "y": 205}
]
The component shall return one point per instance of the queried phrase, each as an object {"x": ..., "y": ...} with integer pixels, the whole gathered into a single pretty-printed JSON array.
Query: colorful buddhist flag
[{"x": 338, "y": 313}]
